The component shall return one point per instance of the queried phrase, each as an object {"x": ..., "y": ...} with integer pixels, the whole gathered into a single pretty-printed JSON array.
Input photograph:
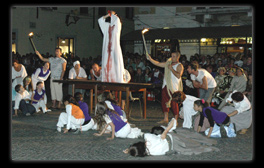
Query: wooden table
[{"x": 113, "y": 86}]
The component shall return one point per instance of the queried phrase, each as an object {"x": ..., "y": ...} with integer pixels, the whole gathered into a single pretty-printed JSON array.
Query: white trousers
[
  {"x": 128, "y": 132},
  {"x": 56, "y": 90},
  {"x": 41, "y": 104},
  {"x": 88, "y": 126},
  {"x": 187, "y": 117},
  {"x": 75, "y": 123}
]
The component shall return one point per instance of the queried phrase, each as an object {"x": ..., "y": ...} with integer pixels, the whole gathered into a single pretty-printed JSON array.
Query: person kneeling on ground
[{"x": 73, "y": 117}]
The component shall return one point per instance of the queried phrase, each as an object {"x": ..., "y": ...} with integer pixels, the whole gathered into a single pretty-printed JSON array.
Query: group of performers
[{"x": 111, "y": 118}]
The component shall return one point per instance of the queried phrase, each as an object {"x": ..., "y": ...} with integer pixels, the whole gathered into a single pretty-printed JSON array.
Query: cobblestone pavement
[{"x": 35, "y": 138}]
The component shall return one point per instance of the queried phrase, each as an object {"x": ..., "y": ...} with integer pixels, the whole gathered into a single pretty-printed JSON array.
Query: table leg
[
  {"x": 95, "y": 95},
  {"x": 91, "y": 101},
  {"x": 73, "y": 89},
  {"x": 127, "y": 101},
  {"x": 120, "y": 98},
  {"x": 145, "y": 103}
]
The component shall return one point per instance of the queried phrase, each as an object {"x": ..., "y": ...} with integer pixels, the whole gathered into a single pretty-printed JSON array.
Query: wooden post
[
  {"x": 91, "y": 100},
  {"x": 73, "y": 89},
  {"x": 145, "y": 102},
  {"x": 127, "y": 101}
]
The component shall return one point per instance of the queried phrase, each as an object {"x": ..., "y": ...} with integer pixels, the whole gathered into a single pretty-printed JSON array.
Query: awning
[{"x": 191, "y": 33}]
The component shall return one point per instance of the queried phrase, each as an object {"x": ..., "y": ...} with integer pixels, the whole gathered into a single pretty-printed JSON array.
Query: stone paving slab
[{"x": 35, "y": 138}]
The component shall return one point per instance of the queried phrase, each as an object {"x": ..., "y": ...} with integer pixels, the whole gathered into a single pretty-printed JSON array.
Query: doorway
[{"x": 66, "y": 45}]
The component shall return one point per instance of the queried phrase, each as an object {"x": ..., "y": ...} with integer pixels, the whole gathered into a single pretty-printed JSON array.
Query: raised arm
[
  {"x": 157, "y": 63},
  {"x": 40, "y": 57},
  {"x": 163, "y": 135}
]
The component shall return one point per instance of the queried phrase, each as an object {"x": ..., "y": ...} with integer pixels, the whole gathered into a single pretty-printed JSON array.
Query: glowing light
[
  {"x": 203, "y": 40},
  {"x": 30, "y": 34},
  {"x": 145, "y": 30}
]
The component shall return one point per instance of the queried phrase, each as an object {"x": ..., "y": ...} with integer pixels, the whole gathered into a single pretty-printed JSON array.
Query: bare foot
[{"x": 163, "y": 122}]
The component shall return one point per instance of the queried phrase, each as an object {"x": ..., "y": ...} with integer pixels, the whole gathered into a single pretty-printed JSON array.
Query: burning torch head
[
  {"x": 145, "y": 30},
  {"x": 31, "y": 34}
]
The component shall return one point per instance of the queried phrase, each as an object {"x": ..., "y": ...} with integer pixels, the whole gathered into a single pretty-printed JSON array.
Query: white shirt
[
  {"x": 19, "y": 97},
  {"x": 174, "y": 80},
  {"x": 241, "y": 106},
  {"x": 22, "y": 73},
  {"x": 188, "y": 111},
  {"x": 201, "y": 73},
  {"x": 155, "y": 145},
  {"x": 73, "y": 75}
]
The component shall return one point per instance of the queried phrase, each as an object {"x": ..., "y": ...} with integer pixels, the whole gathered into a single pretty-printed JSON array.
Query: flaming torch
[
  {"x": 31, "y": 41},
  {"x": 144, "y": 41}
]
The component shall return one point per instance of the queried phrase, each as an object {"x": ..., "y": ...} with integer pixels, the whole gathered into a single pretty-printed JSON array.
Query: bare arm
[
  {"x": 204, "y": 85},
  {"x": 163, "y": 135},
  {"x": 40, "y": 57},
  {"x": 233, "y": 113},
  {"x": 157, "y": 63},
  {"x": 113, "y": 131},
  {"x": 178, "y": 72},
  {"x": 101, "y": 133},
  {"x": 92, "y": 75},
  {"x": 210, "y": 132}
]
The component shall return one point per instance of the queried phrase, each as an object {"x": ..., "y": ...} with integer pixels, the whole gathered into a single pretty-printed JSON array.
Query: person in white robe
[
  {"x": 112, "y": 58},
  {"x": 18, "y": 74}
]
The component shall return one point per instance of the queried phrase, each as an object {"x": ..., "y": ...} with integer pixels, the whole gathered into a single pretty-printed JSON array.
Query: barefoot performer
[{"x": 172, "y": 82}]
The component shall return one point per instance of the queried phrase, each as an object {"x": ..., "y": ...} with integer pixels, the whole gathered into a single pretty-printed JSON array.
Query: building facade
[
  {"x": 74, "y": 29},
  {"x": 159, "y": 17}
]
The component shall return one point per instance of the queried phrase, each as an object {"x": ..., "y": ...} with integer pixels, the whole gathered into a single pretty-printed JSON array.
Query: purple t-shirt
[
  {"x": 117, "y": 121},
  {"x": 84, "y": 107},
  {"x": 218, "y": 116}
]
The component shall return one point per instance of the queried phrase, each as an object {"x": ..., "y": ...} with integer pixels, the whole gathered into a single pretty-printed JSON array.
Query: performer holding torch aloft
[
  {"x": 57, "y": 68},
  {"x": 112, "y": 58},
  {"x": 172, "y": 82}
]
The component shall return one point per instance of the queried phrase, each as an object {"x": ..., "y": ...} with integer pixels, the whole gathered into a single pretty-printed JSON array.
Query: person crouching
[{"x": 73, "y": 117}]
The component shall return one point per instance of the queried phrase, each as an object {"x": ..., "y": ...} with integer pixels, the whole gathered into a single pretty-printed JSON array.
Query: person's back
[{"x": 85, "y": 109}]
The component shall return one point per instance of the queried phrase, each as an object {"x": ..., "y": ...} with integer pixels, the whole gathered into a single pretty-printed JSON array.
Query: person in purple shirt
[
  {"x": 213, "y": 116},
  {"x": 88, "y": 122}
]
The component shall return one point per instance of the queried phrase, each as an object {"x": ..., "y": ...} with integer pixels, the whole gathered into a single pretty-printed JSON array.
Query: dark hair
[
  {"x": 177, "y": 52},
  {"x": 237, "y": 96},
  {"x": 200, "y": 103},
  {"x": 70, "y": 99},
  {"x": 15, "y": 61},
  {"x": 157, "y": 130},
  {"x": 58, "y": 48},
  {"x": 78, "y": 96},
  {"x": 138, "y": 149},
  {"x": 178, "y": 97},
  {"x": 194, "y": 66},
  {"x": 39, "y": 83},
  {"x": 17, "y": 87},
  {"x": 43, "y": 63}
]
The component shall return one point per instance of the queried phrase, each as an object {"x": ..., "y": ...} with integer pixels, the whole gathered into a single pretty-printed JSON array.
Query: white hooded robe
[{"x": 112, "y": 58}]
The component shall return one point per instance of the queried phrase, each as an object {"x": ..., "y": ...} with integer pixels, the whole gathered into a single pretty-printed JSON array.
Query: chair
[{"x": 130, "y": 110}]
